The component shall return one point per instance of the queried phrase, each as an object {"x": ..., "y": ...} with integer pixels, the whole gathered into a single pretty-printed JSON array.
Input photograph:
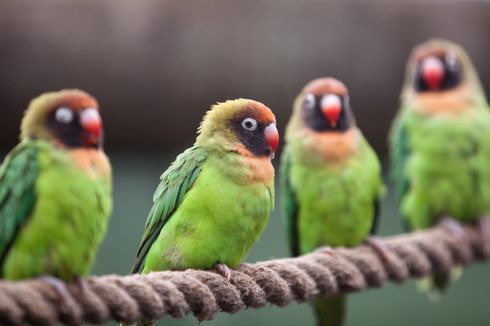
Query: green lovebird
[
  {"x": 215, "y": 199},
  {"x": 55, "y": 190},
  {"x": 330, "y": 179},
  {"x": 440, "y": 143}
]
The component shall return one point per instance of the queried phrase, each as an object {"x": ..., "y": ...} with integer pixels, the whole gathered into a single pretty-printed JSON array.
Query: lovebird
[
  {"x": 55, "y": 190},
  {"x": 214, "y": 201},
  {"x": 440, "y": 145},
  {"x": 331, "y": 180}
]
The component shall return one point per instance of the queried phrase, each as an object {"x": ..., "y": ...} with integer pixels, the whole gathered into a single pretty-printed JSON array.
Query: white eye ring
[
  {"x": 309, "y": 101},
  {"x": 249, "y": 124},
  {"x": 64, "y": 115},
  {"x": 451, "y": 60}
]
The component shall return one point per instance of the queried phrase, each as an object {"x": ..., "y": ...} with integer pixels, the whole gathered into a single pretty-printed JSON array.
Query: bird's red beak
[
  {"x": 433, "y": 72},
  {"x": 331, "y": 109},
  {"x": 91, "y": 123},
  {"x": 272, "y": 137}
]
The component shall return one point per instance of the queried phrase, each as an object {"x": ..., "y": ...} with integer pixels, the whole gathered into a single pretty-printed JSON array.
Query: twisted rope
[{"x": 277, "y": 282}]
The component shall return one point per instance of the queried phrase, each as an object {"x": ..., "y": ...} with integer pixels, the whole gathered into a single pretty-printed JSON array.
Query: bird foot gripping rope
[{"x": 278, "y": 282}]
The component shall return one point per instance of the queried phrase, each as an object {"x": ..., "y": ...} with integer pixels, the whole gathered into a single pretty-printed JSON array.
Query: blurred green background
[{"x": 157, "y": 65}]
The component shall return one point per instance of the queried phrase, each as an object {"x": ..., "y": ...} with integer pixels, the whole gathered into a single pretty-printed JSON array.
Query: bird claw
[
  {"x": 58, "y": 286},
  {"x": 380, "y": 248},
  {"x": 454, "y": 228},
  {"x": 222, "y": 270}
]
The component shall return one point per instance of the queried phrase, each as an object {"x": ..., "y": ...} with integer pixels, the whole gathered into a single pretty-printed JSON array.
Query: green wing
[
  {"x": 175, "y": 182},
  {"x": 289, "y": 203},
  {"x": 400, "y": 151},
  {"x": 18, "y": 175}
]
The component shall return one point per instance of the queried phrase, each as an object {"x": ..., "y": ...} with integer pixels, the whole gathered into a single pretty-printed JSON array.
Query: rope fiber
[{"x": 278, "y": 282}]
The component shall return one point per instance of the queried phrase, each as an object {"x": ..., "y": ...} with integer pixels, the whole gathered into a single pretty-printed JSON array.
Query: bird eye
[
  {"x": 249, "y": 124},
  {"x": 309, "y": 101},
  {"x": 451, "y": 61},
  {"x": 64, "y": 115}
]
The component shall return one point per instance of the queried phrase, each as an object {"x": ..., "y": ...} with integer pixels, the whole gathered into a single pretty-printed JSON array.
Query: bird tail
[
  {"x": 436, "y": 285},
  {"x": 330, "y": 310}
]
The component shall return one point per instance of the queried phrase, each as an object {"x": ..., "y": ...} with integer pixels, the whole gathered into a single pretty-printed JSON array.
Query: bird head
[
  {"x": 438, "y": 66},
  {"x": 241, "y": 125},
  {"x": 69, "y": 118},
  {"x": 324, "y": 105}
]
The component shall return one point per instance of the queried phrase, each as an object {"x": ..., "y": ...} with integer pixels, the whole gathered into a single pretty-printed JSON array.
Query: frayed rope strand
[{"x": 277, "y": 282}]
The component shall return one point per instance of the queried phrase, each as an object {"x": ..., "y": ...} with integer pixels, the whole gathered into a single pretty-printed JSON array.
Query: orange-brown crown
[
  {"x": 33, "y": 123},
  {"x": 326, "y": 85}
]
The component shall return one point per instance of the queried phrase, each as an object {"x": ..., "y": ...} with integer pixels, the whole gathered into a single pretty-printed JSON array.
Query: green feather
[
  {"x": 213, "y": 202},
  {"x": 53, "y": 216},
  {"x": 329, "y": 204},
  {"x": 18, "y": 175},
  {"x": 199, "y": 203},
  {"x": 175, "y": 183},
  {"x": 398, "y": 157},
  {"x": 335, "y": 203},
  {"x": 440, "y": 165},
  {"x": 289, "y": 203},
  {"x": 446, "y": 170}
]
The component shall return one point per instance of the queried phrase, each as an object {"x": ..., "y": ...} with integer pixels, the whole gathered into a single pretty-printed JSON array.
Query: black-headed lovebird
[
  {"x": 330, "y": 179},
  {"x": 215, "y": 199},
  {"x": 440, "y": 144},
  {"x": 55, "y": 190}
]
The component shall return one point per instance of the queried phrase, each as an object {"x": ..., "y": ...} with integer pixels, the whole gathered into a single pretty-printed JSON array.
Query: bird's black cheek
[
  {"x": 452, "y": 78},
  {"x": 419, "y": 83},
  {"x": 315, "y": 120},
  {"x": 69, "y": 134},
  {"x": 254, "y": 140},
  {"x": 317, "y": 123},
  {"x": 255, "y": 143}
]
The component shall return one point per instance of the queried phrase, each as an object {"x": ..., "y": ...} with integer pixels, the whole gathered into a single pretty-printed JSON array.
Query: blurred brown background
[{"x": 157, "y": 65}]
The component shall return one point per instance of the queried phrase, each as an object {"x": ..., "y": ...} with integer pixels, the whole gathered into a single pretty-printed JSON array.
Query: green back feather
[
  {"x": 47, "y": 201},
  {"x": 440, "y": 165},
  {"x": 289, "y": 203},
  {"x": 398, "y": 156},
  {"x": 18, "y": 175},
  {"x": 333, "y": 203},
  {"x": 329, "y": 203},
  {"x": 175, "y": 182}
]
